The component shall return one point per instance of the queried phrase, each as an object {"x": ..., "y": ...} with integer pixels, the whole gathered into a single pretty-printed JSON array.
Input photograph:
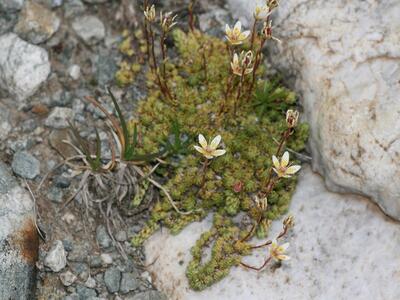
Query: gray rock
[
  {"x": 81, "y": 269},
  {"x": 55, "y": 194},
  {"x": 36, "y": 23},
  {"x": 90, "y": 283},
  {"x": 60, "y": 98},
  {"x": 148, "y": 295},
  {"x": 90, "y": 29},
  {"x": 18, "y": 239},
  {"x": 25, "y": 165},
  {"x": 79, "y": 253},
  {"x": 106, "y": 258},
  {"x": 95, "y": 1},
  {"x": 62, "y": 182},
  {"x": 95, "y": 261},
  {"x": 67, "y": 278},
  {"x": 11, "y": 5},
  {"x": 105, "y": 69},
  {"x": 59, "y": 117},
  {"x": 129, "y": 282},
  {"x": 73, "y": 296},
  {"x": 73, "y": 8},
  {"x": 56, "y": 259},
  {"x": 85, "y": 293},
  {"x": 121, "y": 236},
  {"x": 112, "y": 279},
  {"x": 5, "y": 126},
  {"x": 57, "y": 3},
  {"x": 74, "y": 72},
  {"x": 28, "y": 125},
  {"x": 23, "y": 67},
  {"x": 102, "y": 237}
]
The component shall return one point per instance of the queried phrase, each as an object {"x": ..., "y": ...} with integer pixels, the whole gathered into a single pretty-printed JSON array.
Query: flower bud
[
  {"x": 292, "y": 117},
  {"x": 150, "y": 13},
  {"x": 288, "y": 222}
]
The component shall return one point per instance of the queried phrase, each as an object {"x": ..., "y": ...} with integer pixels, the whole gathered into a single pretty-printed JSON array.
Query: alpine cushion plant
[{"x": 211, "y": 91}]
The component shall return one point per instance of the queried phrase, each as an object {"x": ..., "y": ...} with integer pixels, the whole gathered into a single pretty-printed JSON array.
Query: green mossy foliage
[{"x": 249, "y": 137}]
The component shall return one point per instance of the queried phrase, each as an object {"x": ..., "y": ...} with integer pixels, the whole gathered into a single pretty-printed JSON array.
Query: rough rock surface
[
  {"x": 56, "y": 259},
  {"x": 23, "y": 67},
  {"x": 342, "y": 247},
  {"x": 18, "y": 240},
  {"x": 90, "y": 29},
  {"x": 36, "y": 23},
  {"x": 11, "y": 5},
  {"x": 343, "y": 57}
]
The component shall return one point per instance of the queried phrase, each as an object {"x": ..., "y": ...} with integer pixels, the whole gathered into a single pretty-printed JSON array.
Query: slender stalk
[
  {"x": 204, "y": 61},
  {"x": 164, "y": 54},
  {"x": 256, "y": 65},
  {"x": 256, "y": 268},
  {"x": 239, "y": 91},
  {"x": 269, "y": 242},
  {"x": 204, "y": 171},
  {"x": 191, "y": 15},
  {"x": 253, "y": 34},
  {"x": 163, "y": 87}
]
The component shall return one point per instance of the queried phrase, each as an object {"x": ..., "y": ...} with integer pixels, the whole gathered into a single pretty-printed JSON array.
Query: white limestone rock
[
  {"x": 342, "y": 247},
  {"x": 90, "y": 29},
  {"x": 23, "y": 67},
  {"x": 343, "y": 57},
  {"x": 56, "y": 259}
]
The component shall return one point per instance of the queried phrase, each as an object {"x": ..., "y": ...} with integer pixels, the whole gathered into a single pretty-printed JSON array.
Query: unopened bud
[
  {"x": 288, "y": 222},
  {"x": 292, "y": 117}
]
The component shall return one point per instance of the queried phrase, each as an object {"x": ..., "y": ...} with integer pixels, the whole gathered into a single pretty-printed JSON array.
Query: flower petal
[
  {"x": 284, "y": 246},
  {"x": 285, "y": 159},
  {"x": 283, "y": 257},
  {"x": 202, "y": 141},
  {"x": 215, "y": 142},
  {"x": 292, "y": 170},
  {"x": 277, "y": 172},
  {"x": 227, "y": 29},
  {"x": 244, "y": 34},
  {"x": 238, "y": 26},
  {"x": 199, "y": 149},
  {"x": 218, "y": 152},
  {"x": 276, "y": 163}
]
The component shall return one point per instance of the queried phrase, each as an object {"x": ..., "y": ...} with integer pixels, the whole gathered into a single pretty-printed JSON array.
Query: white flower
[
  {"x": 242, "y": 62},
  {"x": 235, "y": 35},
  {"x": 282, "y": 168},
  {"x": 278, "y": 251},
  {"x": 210, "y": 150}
]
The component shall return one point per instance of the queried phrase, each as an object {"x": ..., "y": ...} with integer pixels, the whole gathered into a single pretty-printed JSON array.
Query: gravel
[
  {"x": 25, "y": 165},
  {"x": 112, "y": 279}
]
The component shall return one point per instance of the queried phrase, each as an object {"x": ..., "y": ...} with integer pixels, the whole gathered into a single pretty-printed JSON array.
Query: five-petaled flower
[
  {"x": 241, "y": 65},
  {"x": 210, "y": 150},
  {"x": 235, "y": 35},
  {"x": 282, "y": 168},
  {"x": 278, "y": 251}
]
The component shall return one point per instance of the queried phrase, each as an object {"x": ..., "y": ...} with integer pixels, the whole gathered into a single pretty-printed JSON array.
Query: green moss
[{"x": 249, "y": 137}]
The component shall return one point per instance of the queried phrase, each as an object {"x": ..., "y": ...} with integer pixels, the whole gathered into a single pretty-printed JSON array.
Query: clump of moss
[{"x": 199, "y": 83}]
